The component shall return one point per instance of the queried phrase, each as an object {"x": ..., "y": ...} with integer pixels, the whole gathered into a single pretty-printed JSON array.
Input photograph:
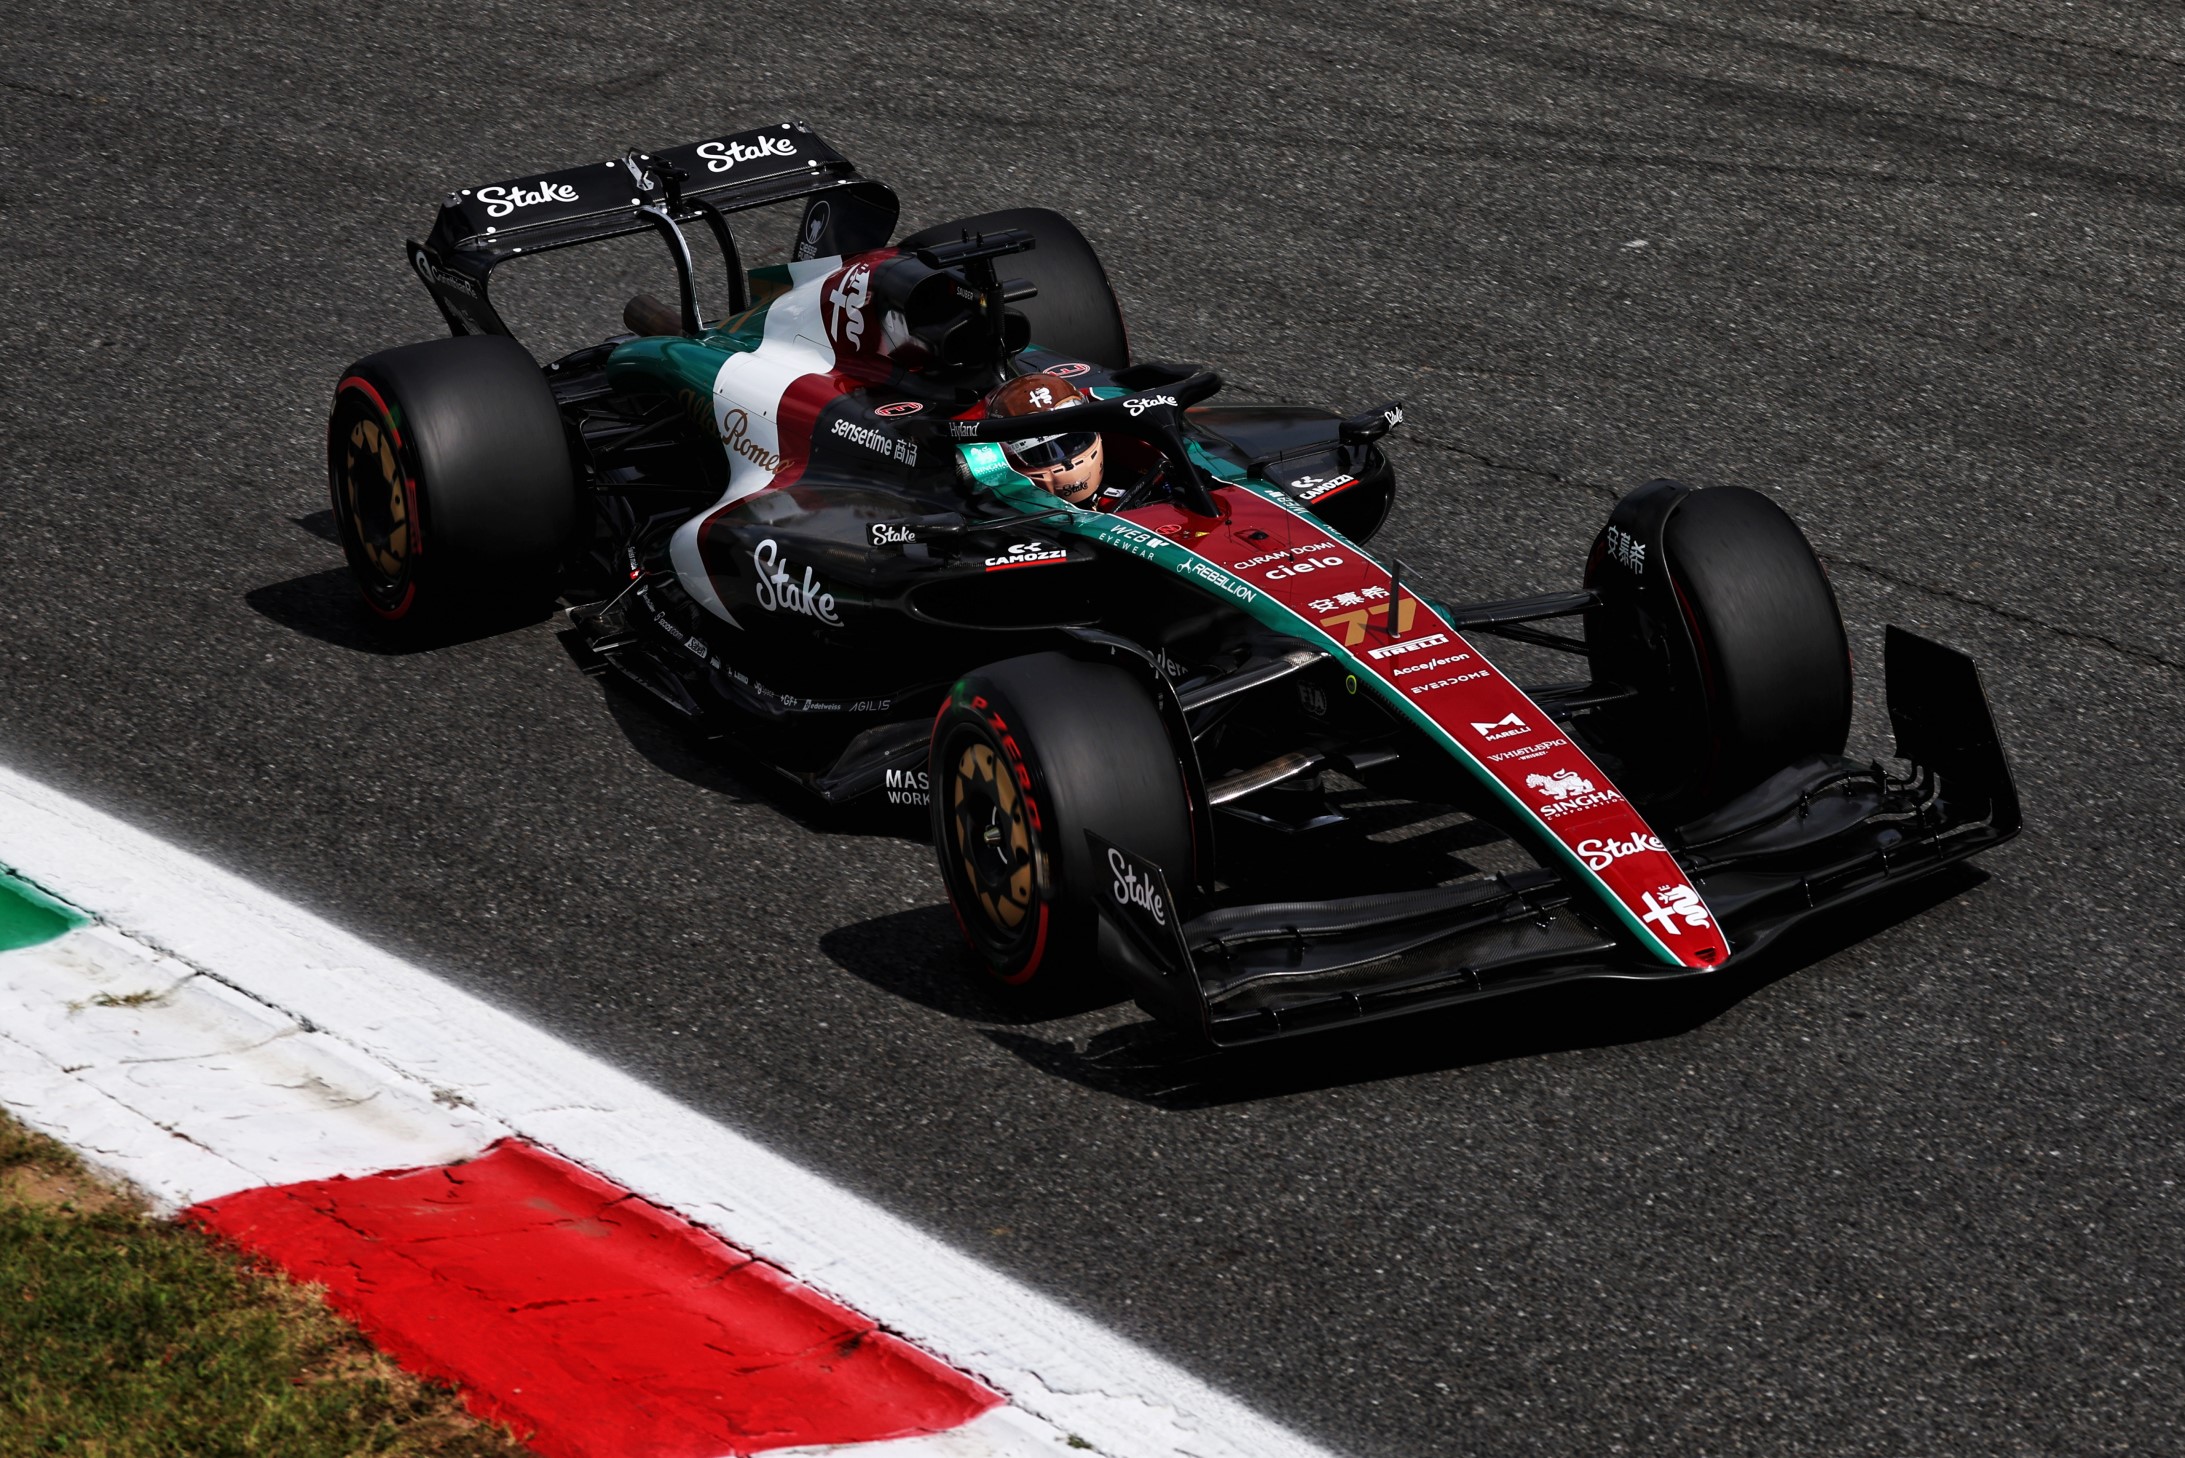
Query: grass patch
[{"x": 122, "y": 1336}]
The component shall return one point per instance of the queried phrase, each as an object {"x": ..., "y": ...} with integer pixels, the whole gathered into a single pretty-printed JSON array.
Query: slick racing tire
[
  {"x": 1075, "y": 312},
  {"x": 453, "y": 489},
  {"x": 1027, "y": 755},
  {"x": 1751, "y": 675}
]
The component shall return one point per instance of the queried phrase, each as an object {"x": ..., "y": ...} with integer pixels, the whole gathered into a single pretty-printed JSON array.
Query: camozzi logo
[
  {"x": 721, "y": 156},
  {"x": 501, "y": 201},
  {"x": 1315, "y": 488}
]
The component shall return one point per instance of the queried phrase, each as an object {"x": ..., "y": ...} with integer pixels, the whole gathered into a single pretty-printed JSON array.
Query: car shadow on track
[
  {"x": 920, "y": 956},
  {"x": 717, "y": 765},
  {"x": 325, "y": 606},
  {"x": 1154, "y": 1064}
]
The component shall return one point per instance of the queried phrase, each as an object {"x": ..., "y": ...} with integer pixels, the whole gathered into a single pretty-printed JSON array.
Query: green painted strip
[{"x": 28, "y": 916}]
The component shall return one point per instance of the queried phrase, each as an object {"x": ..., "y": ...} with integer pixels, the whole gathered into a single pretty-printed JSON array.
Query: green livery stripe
[
  {"x": 28, "y": 916},
  {"x": 986, "y": 463}
]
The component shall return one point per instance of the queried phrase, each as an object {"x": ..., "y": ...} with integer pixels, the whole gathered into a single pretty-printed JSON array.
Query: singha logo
[{"x": 1561, "y": 785}]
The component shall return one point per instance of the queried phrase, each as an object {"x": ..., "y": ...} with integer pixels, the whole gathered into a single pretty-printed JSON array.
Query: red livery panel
[{"x": 1425, "y": 665}]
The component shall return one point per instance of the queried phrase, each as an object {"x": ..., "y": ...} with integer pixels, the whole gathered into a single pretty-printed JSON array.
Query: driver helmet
[{"x": 1067, "y": 463}]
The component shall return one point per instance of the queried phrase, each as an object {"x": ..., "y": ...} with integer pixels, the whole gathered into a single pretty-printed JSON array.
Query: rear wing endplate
[{"x": 480, "y": 228}]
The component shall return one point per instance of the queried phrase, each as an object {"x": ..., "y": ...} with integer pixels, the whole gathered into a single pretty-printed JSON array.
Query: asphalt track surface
[{"x": 1912, "y": 269}]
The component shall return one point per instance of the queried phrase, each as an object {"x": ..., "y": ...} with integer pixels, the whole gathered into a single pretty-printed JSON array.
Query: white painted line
[{"x": 462, "y": 1069}]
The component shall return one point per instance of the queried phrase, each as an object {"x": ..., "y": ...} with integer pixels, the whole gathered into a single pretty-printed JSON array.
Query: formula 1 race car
[{"x": 1153, "y": 736}]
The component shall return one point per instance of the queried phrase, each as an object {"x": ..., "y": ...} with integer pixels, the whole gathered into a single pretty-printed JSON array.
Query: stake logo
[
  {"x": 1131, "y": 889},
  {"x": 778, "y": 592},
  {"x": 501, "y": 201},
  {"x": 1601, "y": 853},
  {"x": 721, "y": 156},
  {"x": 1140, "y": 404}
]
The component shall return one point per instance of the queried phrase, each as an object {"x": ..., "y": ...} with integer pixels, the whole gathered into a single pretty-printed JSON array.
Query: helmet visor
[{"x": 1046, "y": 452}]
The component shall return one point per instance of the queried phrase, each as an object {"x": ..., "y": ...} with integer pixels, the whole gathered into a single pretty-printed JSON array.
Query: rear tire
[
  {"x": 1027, "y": 755},
  {"x": 1075, "y": 312},
  {"x": 453, "y": 490},
  {"x": 1742, "y": 664}
]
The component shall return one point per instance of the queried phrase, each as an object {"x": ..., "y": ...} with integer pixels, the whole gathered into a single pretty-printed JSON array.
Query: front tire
[
  {"x": 453, "y": 490},
  {"x": 1733, "y": 640},
  {"x": 1027, "y": 756}
]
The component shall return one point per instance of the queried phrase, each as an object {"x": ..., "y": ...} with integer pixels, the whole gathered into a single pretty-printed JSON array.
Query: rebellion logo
[
  {"x": 736, "y": 435},
  {"x": 721, "y": 156},
  {"x": 501, "y": 201},
  {"x": 779, "y": 592}
]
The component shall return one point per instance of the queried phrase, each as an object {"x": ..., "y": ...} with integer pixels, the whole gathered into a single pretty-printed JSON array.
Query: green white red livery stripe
[{"x": 1294, "y": 573}]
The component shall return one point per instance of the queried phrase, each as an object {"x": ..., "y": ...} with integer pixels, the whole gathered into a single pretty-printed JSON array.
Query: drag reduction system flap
[{"x": 481, "y": 227}]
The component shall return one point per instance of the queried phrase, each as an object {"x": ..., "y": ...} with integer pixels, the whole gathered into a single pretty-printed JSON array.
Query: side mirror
[{"x": 1370, "y": 425}]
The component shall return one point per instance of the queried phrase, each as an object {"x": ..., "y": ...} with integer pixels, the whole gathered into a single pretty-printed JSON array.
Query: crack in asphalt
[{"x": 2145, "y": 656}]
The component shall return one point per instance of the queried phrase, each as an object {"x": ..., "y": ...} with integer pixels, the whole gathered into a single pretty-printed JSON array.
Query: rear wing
[{"x": 479, "y": 228}]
